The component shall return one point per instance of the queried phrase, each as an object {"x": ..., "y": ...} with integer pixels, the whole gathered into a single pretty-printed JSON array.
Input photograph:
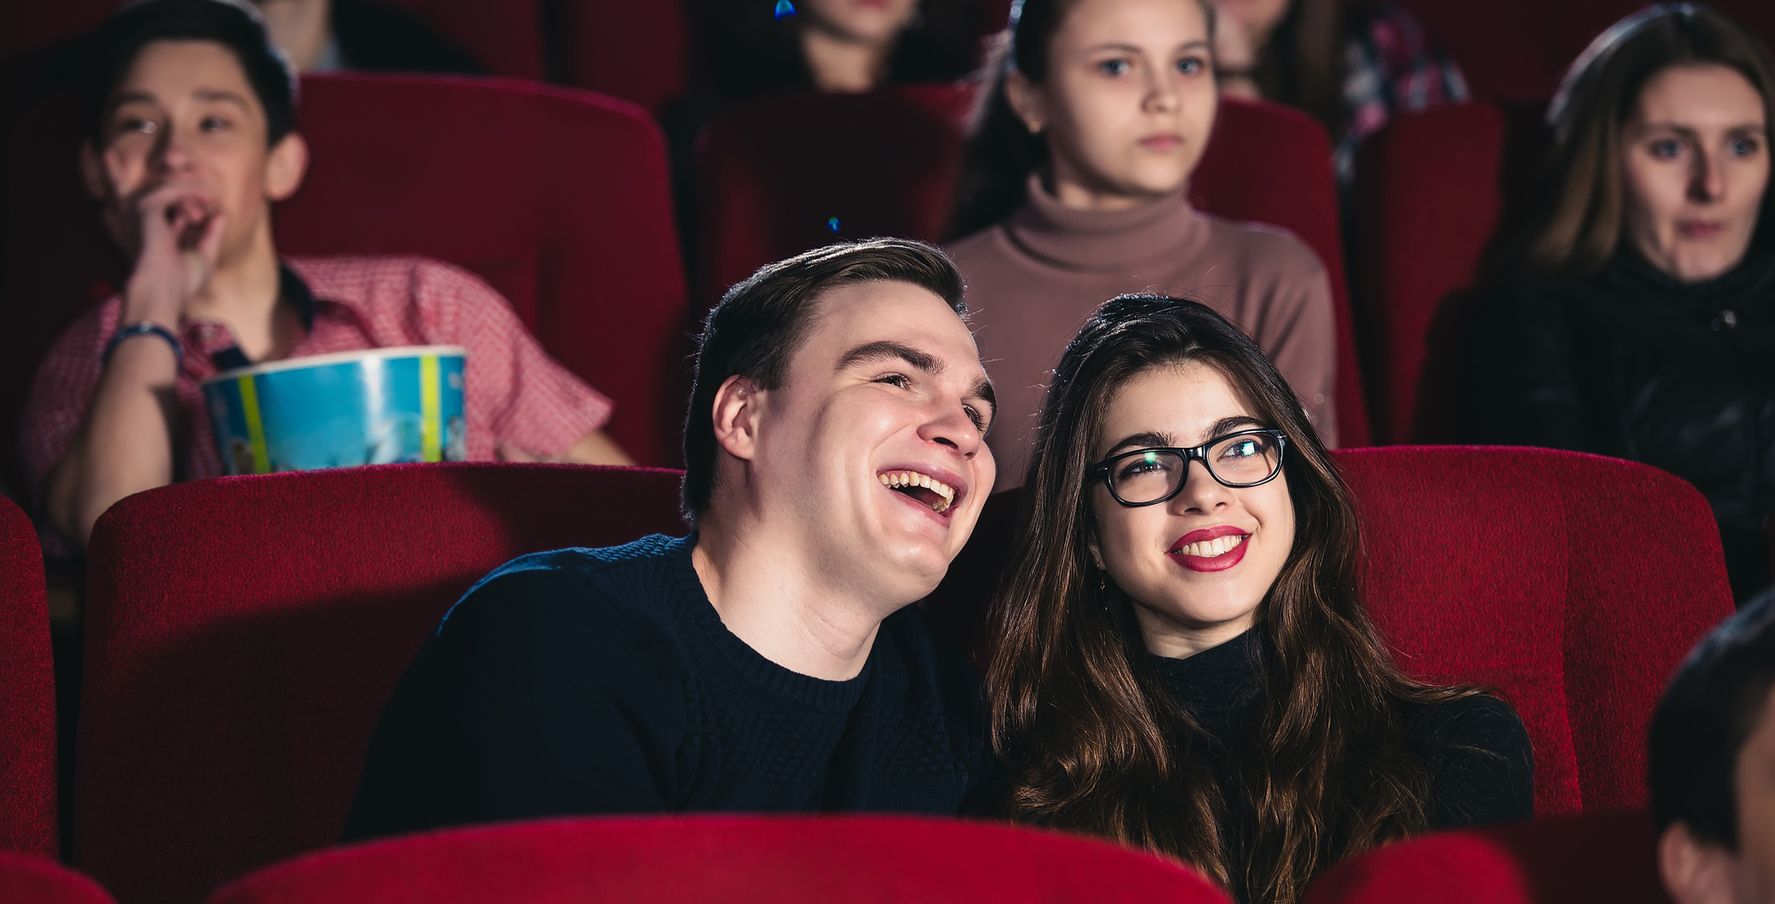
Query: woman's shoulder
[
  {"x": 1478, "y": 721},
  {"x": 1480, "y": 759}
]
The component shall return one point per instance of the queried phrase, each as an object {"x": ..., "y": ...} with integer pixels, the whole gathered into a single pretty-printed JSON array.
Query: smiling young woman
[{"x": 1183, "y": 662}]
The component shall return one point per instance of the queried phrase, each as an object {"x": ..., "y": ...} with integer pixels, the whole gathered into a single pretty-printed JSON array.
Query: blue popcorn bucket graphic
[{"x": 378, "y": 406}]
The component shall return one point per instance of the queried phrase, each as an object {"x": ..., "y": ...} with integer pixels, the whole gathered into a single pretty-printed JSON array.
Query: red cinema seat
[
  {"x": 784, "y": 860},
  {"x": 558, "y": 198},
  {"x": 27, "y": 693},
  {"x": 780, "y": 176},
  {"x": 785, "y": 174},
  {"x": 1271, "y": 164},
  {"x": 636, "y": 51},
  {"x": 1606, "y": 856},
  {"x": 1547, "y": 575},
  {"x": 30, "y": 879},
  {"x": 243, "y": 634},
  {"x": 1431, "y": 189},
  {"x": 504, "y": 37}
]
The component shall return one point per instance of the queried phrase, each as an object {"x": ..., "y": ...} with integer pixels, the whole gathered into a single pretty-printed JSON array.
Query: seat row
[
  {"x": 560, "y": 200},
  {"x": 865, "y": 860},
  {"x": 641, "y": 52},
  {"x": 244, "y": 633}
]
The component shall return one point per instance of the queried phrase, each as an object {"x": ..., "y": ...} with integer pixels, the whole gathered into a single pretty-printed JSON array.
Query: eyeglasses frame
[{"x": 1101, "y": 470}]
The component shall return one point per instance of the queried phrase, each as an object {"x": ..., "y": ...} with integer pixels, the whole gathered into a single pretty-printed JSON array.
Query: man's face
[
  {"x": 186, "y": 115},
  {"x": 872, "y": 452}
]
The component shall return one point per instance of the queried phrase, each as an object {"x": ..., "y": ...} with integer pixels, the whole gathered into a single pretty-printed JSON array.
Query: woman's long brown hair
[
  {"x": 1576, "y": 229},
  {"x": 1092, "y": 739}
]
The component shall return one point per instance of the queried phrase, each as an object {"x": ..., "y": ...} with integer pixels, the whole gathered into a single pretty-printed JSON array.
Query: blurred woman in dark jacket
[{"x": 1640, "y": 317}]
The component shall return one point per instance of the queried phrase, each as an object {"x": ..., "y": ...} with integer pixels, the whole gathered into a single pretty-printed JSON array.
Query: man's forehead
[
  {"x": 845, "y": 316},
  {"x": 195, "y": 64}
]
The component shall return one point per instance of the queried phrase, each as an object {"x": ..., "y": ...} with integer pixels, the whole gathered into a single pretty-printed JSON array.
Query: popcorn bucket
[{"x": 377, "y": 406}]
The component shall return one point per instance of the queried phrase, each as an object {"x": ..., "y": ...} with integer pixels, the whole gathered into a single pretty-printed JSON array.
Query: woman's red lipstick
[{"x": 1203, "y": 563}]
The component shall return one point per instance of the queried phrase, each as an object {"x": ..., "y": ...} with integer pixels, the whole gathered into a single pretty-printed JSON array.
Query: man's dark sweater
[{"x": 603, "y": 681}]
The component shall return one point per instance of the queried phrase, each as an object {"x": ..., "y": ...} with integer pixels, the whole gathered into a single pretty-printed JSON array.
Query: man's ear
[
  {"x": 286, "y": 166},
  {"x": 1026, "y": 101},
  {"x": 738, "y": 404},
  {"x": 1694, "y": 871}
]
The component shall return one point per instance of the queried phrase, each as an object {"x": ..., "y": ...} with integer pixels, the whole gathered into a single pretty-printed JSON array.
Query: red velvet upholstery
[
  {"x": 1269, "y": 164},
  {"x": 636, "y": 51},
  {"x": 886, "y": 164},
  {"x": 243, "y": 634},
  {"x": 1591, "y": 857},
  {"x": 30, "y": 879},
  {"x": 558, "y": 198},
  {"x": 786, "y": 860},
  {"x": 1519, "y": 49},
  {"x": 1429, "y": 193},
  {"x": 773, "y": 174},
  {"x": 1547, "y": 575},
  {"x": 504, "y": 37},
  {"x": 27, "y": 693}
]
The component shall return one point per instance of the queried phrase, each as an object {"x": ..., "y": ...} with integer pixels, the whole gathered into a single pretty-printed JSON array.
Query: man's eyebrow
[
  {"x": 223, "y": 94},
  {"x": 128, "y": 97},
  {"x": 886, "y": 349}
]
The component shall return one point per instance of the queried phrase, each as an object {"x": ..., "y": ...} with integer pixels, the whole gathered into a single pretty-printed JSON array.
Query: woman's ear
[{"x": 1026, "y": 101}]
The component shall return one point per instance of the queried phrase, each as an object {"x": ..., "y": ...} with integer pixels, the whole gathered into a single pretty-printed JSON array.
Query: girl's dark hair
[
  {"x": 1302, "y": 65},
  {"x": 1001, "y": 152},
  {"x": 754, "y": 53},
  {"x": 1092, "y": 739},
  {"x": 113, "y": 48},
  {"x": 1580, "y": 221}
]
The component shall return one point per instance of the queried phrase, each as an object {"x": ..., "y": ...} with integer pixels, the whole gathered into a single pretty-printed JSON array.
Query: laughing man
[{"x": 768, "y": 662}]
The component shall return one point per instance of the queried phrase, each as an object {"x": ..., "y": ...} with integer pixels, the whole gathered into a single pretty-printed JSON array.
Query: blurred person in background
[
  {"x": 1636, "y": 315},
  {"x": 1073, "y": 190},
  {"x": 355, "y": 35},
  {"x": 1349, "y": 65},
  {"x": 192, "y": 138}
]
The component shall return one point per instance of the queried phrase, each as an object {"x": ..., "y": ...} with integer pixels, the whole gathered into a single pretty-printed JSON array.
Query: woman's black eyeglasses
[{"x": 1150, "y": 476}]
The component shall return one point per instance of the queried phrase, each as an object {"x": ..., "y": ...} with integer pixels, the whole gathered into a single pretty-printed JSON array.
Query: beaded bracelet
[{"x": 145, "y": 328}]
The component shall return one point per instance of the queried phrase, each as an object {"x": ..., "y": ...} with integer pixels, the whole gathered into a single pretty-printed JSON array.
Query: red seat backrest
[
  {"x": 242, "y": 635},
  {"x": 27, "y": 693},
  {"x": 35, "y": 879},
  {"x": 1519, "y": 49},
  {"x": 1533, "y": 571},
  {"x": 789, "y": 860},
  {"x": 1608, "y": 856},
  {"x": 1430, "y": 192},
  {"x": 504, "y": 37},
  {"x": 780, "y": 176},
  {"x": 636, "y": 51},
  {"x": 558, "y": 198},
  {"x": 1267, "y": 163}
]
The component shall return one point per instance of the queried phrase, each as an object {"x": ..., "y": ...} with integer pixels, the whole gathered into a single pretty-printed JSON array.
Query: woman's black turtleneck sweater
[
  {"x": 1476, "y": 749},
  {"x": 1635, "y": 364}
]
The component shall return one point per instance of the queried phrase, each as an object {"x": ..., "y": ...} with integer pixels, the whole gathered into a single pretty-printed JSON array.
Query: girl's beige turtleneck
[{"x": 1034, "y": 278}]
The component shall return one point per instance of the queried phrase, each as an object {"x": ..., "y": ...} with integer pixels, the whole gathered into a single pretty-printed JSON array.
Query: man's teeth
[
  {"x": 901, "y": 479},
  {"x": 1208, "y": 549}
]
